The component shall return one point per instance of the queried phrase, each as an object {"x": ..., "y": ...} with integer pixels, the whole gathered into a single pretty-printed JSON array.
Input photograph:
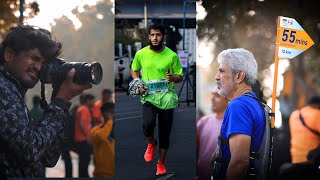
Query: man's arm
[
  {"x": 239, "y": 163},
  {"x": 83, "y": 118},
  {"x": 26, "y": 142},
  {"x": 177, "y": 78},
  {"x": 29, "y": 143},
  {"x": 173, "y": 78},
  {"x": 135, "y": 74},
  {"x": 100, "y": 133},
  {"x": 84, "y": 129},
  {"x": 67, "y": 91},
  {"x": 50, "y": 157}
]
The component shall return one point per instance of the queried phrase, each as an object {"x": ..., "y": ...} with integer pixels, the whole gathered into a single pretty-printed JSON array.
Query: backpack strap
[
  {"x": 220, "y": 162},
  {"x": 303, "y": 123},
  {"x": 255, "y": 155},
  {"x": 261, "y": 104},
  {"x": 223, "y": 140}
]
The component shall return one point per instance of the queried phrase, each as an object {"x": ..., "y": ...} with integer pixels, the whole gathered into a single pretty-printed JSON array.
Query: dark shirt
[{"x": 25, "y": 148}]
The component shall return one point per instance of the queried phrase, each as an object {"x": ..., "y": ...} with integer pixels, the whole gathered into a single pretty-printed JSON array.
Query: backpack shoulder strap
[
  {"x": 223, "y": 140},
  {"x": 261, "y": 104},
  {"x": 303, "y": 123},
  {"x": 255, "y": 97}
]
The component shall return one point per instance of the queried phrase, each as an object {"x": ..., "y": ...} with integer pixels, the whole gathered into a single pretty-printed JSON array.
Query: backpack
[{"x": 260, "y": 161}]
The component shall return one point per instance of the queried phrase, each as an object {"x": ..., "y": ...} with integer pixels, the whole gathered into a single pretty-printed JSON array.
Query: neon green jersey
[{"x": 153, "y": 66}]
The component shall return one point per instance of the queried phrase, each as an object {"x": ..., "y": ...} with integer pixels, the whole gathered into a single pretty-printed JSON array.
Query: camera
[{"x": 56, "y": 70}]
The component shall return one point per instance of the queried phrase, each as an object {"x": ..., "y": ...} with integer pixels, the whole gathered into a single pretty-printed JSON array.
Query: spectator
[
  {"x": 208, "y": 129},
  {"x": 286, "y": 108},
  {"x": 121, "y": 68},
  {"x": 256, "y": 89},
  {"x": 82, "y": 134},
  {"x": 104, "y": 144},
  {"x": 106, "y": 96},
  {"x": 242, "y": 128},
  {"x": 305, "y": 130},
  {"x": 69, "y": 136}
]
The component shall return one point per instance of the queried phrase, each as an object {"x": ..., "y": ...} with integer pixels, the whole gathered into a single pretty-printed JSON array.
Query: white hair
[{"x": 240, "y": 59}]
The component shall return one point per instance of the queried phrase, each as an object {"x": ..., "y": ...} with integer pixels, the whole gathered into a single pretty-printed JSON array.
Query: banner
[{"x": 184, "y": 58}]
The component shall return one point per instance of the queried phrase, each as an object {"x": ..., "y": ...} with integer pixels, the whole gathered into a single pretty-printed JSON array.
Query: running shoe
[
  {"x": 161, "y": 168},
  {"x": 149, "y": 154}
]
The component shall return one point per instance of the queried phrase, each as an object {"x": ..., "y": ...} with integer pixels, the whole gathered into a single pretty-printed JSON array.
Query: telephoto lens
[{"x": 56, "y": 70}]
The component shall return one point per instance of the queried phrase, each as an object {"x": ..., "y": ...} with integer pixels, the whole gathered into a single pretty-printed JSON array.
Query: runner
[{"x": 161, "y": 68}]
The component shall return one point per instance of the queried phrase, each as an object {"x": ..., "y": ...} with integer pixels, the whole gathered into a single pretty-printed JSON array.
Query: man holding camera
[
  {"x": 161, "y": 68},
  {"x": 26, "y": 149}
]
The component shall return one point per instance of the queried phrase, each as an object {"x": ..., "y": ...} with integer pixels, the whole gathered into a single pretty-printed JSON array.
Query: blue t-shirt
[{"x": 244, "y": 115}]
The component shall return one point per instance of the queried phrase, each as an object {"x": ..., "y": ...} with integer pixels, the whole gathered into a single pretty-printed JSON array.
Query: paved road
[{"x": 131, "y": 144}]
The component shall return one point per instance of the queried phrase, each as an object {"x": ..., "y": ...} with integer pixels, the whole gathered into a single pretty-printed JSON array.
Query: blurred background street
[{"x": 59, "y": 172}]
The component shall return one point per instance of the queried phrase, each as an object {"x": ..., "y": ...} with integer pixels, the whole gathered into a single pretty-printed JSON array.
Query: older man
[{"x": 243, "y": 125}]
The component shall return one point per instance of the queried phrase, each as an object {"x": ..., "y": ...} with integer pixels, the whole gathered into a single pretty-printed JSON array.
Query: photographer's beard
[
  {"x": 28, "y": 77},
  {"x": 30, "y": 80},
  {"x": 157, "y": 47}
]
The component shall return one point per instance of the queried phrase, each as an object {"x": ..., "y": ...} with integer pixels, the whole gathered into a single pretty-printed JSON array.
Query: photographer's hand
[{"x": 69, "y": 89}]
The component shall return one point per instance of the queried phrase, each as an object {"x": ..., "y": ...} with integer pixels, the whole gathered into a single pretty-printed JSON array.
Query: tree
[
  {"x": 8, "y": 9},
  {"x": 93, "y": 41},
  {"x": 173, "y": 38}
]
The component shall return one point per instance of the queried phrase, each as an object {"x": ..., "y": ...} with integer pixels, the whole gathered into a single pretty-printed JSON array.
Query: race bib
[{"x": 157, "y": 86}]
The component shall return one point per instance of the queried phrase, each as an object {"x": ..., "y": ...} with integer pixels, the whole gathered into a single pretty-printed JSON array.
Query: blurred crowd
[{"x": 89, "y": 131}]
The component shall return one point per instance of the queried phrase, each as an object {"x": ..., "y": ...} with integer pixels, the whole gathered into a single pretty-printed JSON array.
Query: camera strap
[{"x": 43, "y": 102}]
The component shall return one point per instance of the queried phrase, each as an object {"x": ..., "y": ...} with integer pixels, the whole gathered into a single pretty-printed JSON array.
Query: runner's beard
[{"x": 156, "y": 47}]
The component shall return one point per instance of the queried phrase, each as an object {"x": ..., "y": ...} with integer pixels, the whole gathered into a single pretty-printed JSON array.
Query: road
[{"x": 131, "y": 143}]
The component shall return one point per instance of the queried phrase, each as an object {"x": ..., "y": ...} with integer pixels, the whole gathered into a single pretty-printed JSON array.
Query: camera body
[{"x": 56, "y": 70}]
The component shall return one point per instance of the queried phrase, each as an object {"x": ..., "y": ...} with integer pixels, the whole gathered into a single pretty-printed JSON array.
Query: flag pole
[{"x": 275, "y": 80}]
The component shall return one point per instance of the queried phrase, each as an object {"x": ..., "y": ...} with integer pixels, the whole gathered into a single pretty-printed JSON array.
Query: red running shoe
[
  {"x": 149, "y": 154},
  {"x": 161, "y": 168}
]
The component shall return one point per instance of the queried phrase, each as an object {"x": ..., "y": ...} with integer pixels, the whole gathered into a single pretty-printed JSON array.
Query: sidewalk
[{"x": 58, "y": 170}]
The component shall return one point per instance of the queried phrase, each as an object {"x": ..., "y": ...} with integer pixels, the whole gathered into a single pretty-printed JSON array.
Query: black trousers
[
  {"x": 67, "y": 162},
  {"x": 120, "y": 80},
  {"x": 165, "y": 119},
  {"x": 84, "y": 151}
]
